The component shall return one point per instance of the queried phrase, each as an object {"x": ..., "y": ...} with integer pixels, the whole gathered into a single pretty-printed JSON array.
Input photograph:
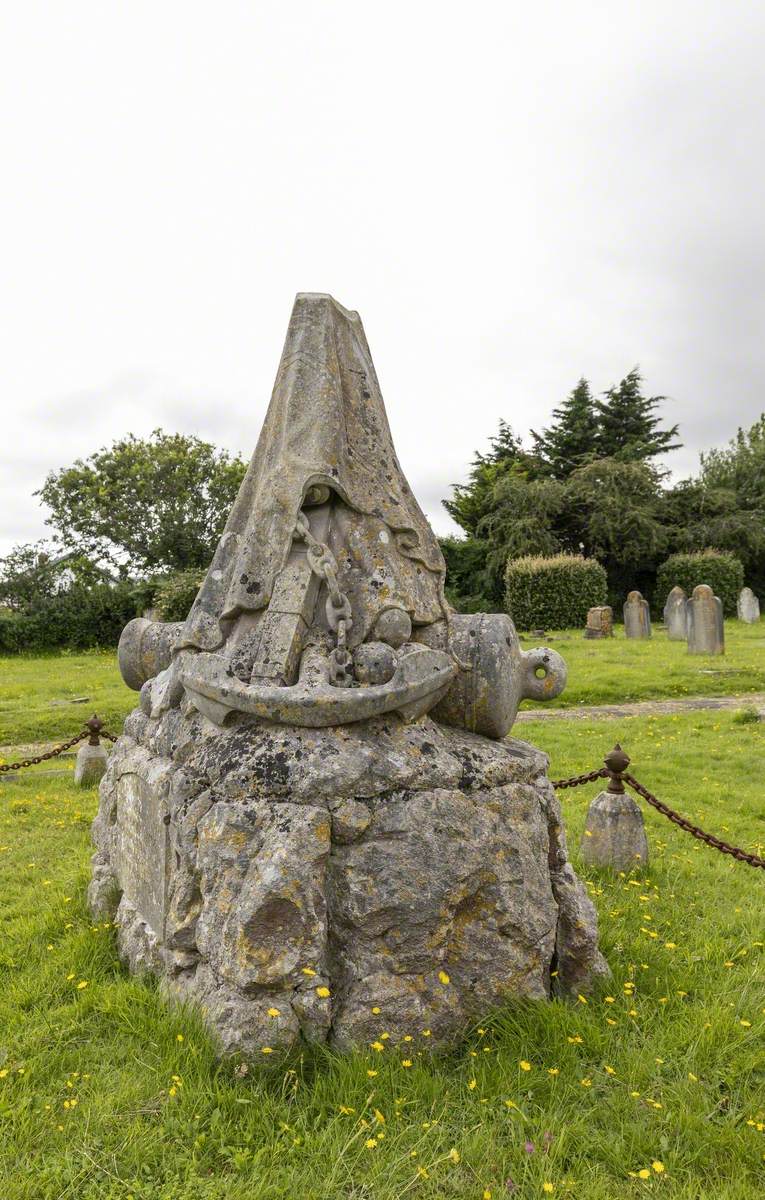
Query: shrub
[
  {"x": 553, "y": 593},
  {"x": 76, "y": 619},
  {"x": 175, "y": 594},
  {"x": 723, "y": 572}
]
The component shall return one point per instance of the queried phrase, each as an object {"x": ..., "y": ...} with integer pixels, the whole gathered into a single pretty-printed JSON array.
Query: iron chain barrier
[
  {"x": 615, "y": 771},
  {"x": 93, "y": 730}
]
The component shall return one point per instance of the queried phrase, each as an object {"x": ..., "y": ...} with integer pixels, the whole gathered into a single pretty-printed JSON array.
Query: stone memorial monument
[
  {"x": 706, "y": 630},
  {"x": 748, "y": 606},
  {"x": 600, "y": 622},
  {"x": 637, "y": 617},
  {"x": 675, "y": 615},
  {"x": 614, "y": 831},
  {"x": 312, "y": 826}
]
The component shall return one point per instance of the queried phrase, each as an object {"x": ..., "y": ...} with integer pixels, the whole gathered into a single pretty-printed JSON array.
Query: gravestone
[
  {"x": 600, "y": 622},
  {"x": 706, "y": 630},
  {"x": 637, "y": 617},
  {"x": 748, "y": 606},
  {"x": 675, "y": 615},
  {"x": 314, "y": 826}
]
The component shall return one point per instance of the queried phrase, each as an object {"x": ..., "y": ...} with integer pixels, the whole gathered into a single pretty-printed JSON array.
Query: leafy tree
[
  {"x": 740, "y": 466},
  {"x": 153, "y": 504},
  {"x": 617, "y": 509},
  {"x": 572, "y": 439},
  {"x": 521, "y": 521},
  {"x": 629, "y": 429},
  {"x": 472, "y": 501},
  {"x": 33, "y": 570}
]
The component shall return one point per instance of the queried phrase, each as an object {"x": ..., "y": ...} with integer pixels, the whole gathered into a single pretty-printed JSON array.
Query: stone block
[{"x": 600, "y": 622}]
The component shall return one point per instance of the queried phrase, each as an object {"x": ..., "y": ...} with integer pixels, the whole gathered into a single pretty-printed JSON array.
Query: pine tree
[
  {"x": 629, "y": 429},
  {"x": 470, "y": 501},
  {"x": 571, "y": 441}
]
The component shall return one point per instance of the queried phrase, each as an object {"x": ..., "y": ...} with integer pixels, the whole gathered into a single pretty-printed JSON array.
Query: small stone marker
[
  {"x": 92, "y": 759},
  {"x": 91, "y": 764},
  {"x": 706, "y": 632},
  {"x": 675, "y": 615},
  {"x": 637, "y": 617},
  {"x": 748, "y": 606},
  {"x": 614, "y": 832},
  {"x": 600, "y": 622}
]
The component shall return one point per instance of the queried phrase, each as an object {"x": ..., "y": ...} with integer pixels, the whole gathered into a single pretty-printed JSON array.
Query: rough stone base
[{"x": 329, "y": 884}]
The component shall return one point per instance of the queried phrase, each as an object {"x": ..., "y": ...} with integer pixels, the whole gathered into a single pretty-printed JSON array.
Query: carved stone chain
[{"x": 338, "y": 610}]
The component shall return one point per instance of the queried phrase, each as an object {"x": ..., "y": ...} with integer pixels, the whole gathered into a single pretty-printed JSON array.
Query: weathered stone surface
[
  {"x": 371, "y": 860},
  {"x": 90, "y": 765},
  {"x": 600, "y": 622},
  {"x": 706, "y": 629},
  {"x": 637, "y": 617},
  {"x": 748, "y": 606},
  {"x": 285, "y": 837},
  {"x": 675, "y": 615},
  {"x": 614, "y": 833}
]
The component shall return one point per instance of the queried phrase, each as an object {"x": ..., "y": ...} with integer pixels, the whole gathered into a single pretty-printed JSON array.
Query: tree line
[
  {"x": 589, "y": 483},
  {"x": 145, "y": 509}
]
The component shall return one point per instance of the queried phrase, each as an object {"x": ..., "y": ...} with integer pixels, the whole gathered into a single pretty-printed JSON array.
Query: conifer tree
[
  {"x": 629, "y": 429},
  {"x": 571, "y": 440}
]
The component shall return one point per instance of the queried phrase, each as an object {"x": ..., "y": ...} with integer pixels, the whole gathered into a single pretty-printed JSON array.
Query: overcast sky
[{"x": 511, "y": 195}]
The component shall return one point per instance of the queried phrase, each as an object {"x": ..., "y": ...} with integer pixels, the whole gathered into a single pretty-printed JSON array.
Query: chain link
[
  {"x": 740, "y": 855},
  {"x": 578, "y": 780},
  {"x": 31, "y": 762}
]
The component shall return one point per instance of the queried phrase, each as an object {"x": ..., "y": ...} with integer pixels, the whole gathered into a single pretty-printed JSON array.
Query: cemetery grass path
[{"x": 106, "y": 1093}]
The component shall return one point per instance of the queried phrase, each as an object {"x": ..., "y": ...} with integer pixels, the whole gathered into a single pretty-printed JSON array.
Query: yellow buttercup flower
[
  {"x": 323, "y": 992},
  {"x": 444, "y": 977}
]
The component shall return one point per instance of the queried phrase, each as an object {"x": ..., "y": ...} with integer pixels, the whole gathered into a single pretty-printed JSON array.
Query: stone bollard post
[
  {"x": 92, "y": 758},
  {"x": 637, "y": 616},
  {"x": 614, "y": 832}
]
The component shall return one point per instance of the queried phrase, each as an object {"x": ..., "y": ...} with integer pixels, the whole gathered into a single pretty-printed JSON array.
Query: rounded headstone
[
  {"x": 706, "y": 631},
  {"x": 637, "y": 616},
  {"x": 675, "y": 615},
  {"x": 748, "y": 606}
]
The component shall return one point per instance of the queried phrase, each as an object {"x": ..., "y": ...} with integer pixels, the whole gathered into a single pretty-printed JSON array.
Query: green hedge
[
  {"x": 723, "y": 572},
  {"x": 75, "y": 619},
  {"x": 175, "y": 594},
  {"x": 553, "y": 593}
]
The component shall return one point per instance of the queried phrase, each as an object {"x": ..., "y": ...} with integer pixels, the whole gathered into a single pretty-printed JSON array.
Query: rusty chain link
[
  {"x": 740, "y": 855},
  {"x": 615, "y": 771},
  {"x": 577, "y": 780},
  {"x": 93, "y": 730}
]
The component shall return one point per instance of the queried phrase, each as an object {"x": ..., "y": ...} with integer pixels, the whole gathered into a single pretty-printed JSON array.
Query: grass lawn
[
  {"x": 36, "y": 695},
  {"x": 106, "y": 1094},
  {"x": 617, "y": 669}
]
